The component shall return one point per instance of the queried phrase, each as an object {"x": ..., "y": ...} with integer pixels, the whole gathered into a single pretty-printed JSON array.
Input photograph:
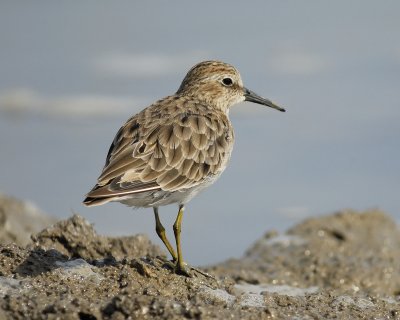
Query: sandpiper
[{"x": 176, "y": 147}]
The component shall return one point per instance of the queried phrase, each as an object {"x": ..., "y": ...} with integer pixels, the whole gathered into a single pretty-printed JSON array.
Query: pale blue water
[{"x": 335, "y": 67}]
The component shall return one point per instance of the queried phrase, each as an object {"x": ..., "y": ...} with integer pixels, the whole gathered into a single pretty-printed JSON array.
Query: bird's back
[{"x": 172, "y": 148}]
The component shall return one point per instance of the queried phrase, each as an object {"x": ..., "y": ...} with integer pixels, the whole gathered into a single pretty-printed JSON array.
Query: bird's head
[{"x": 219, "y": 84}]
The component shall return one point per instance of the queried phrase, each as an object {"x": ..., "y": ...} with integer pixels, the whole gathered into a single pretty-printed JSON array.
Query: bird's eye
[{"x": 227, "y": 82}]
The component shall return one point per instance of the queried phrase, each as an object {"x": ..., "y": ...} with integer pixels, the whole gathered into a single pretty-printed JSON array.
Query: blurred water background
[{"x": 72, "y": 72}]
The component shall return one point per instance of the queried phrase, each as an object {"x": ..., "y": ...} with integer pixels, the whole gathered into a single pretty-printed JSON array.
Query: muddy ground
[{"x": 341, "y": 266}]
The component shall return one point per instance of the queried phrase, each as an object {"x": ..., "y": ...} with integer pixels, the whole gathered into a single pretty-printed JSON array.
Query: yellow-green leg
[
  {"x": 161, "y": 233},
  {"x": 177, "y": 231}
]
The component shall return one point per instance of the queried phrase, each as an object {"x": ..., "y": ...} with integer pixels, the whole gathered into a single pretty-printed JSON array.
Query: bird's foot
[
  {"x": 188, "y": 271},
  {"x": 203, "y": 273},
  {"x": 178, "y": 268},
  {"x": 182, "y": 270}
]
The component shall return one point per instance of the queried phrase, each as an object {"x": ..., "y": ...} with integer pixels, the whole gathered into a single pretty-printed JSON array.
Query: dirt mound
[
  {"x": 19, "y": 219},
  {"x": 346, "y": 252},
  {"x": 76, "y": 238},
  {"x": 339, "y": 266}
]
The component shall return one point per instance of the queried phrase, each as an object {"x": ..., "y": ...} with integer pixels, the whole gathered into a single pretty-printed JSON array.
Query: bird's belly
[{"x": 162, "y": 198}]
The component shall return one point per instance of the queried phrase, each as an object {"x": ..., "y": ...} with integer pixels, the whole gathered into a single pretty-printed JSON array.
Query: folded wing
[{"x": 168, "y": 151}]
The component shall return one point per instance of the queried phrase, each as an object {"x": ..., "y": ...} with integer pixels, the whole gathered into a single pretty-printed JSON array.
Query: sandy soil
[{"x": 341, "y": 266}]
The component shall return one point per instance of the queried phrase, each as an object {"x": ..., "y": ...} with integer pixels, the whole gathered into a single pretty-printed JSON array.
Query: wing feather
[{"x": 165, "y": 148}]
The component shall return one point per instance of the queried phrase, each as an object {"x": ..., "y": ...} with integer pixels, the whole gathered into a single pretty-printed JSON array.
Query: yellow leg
[
  {"x": 177, "y": 231},
  {"x": 161, "y": 233}
]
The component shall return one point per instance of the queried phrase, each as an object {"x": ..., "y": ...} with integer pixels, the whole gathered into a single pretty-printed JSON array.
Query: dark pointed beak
[{"x": 254, "y": 97}]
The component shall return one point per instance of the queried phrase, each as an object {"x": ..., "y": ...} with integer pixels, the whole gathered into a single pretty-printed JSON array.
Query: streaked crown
[{"x": 214, "y": 82}]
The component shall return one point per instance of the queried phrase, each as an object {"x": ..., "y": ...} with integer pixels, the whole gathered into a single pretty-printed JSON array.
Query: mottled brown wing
[{"x": 170, "y": 152}]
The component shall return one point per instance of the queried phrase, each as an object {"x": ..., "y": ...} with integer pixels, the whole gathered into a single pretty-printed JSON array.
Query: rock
[{"x": 19, "y": 219}]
